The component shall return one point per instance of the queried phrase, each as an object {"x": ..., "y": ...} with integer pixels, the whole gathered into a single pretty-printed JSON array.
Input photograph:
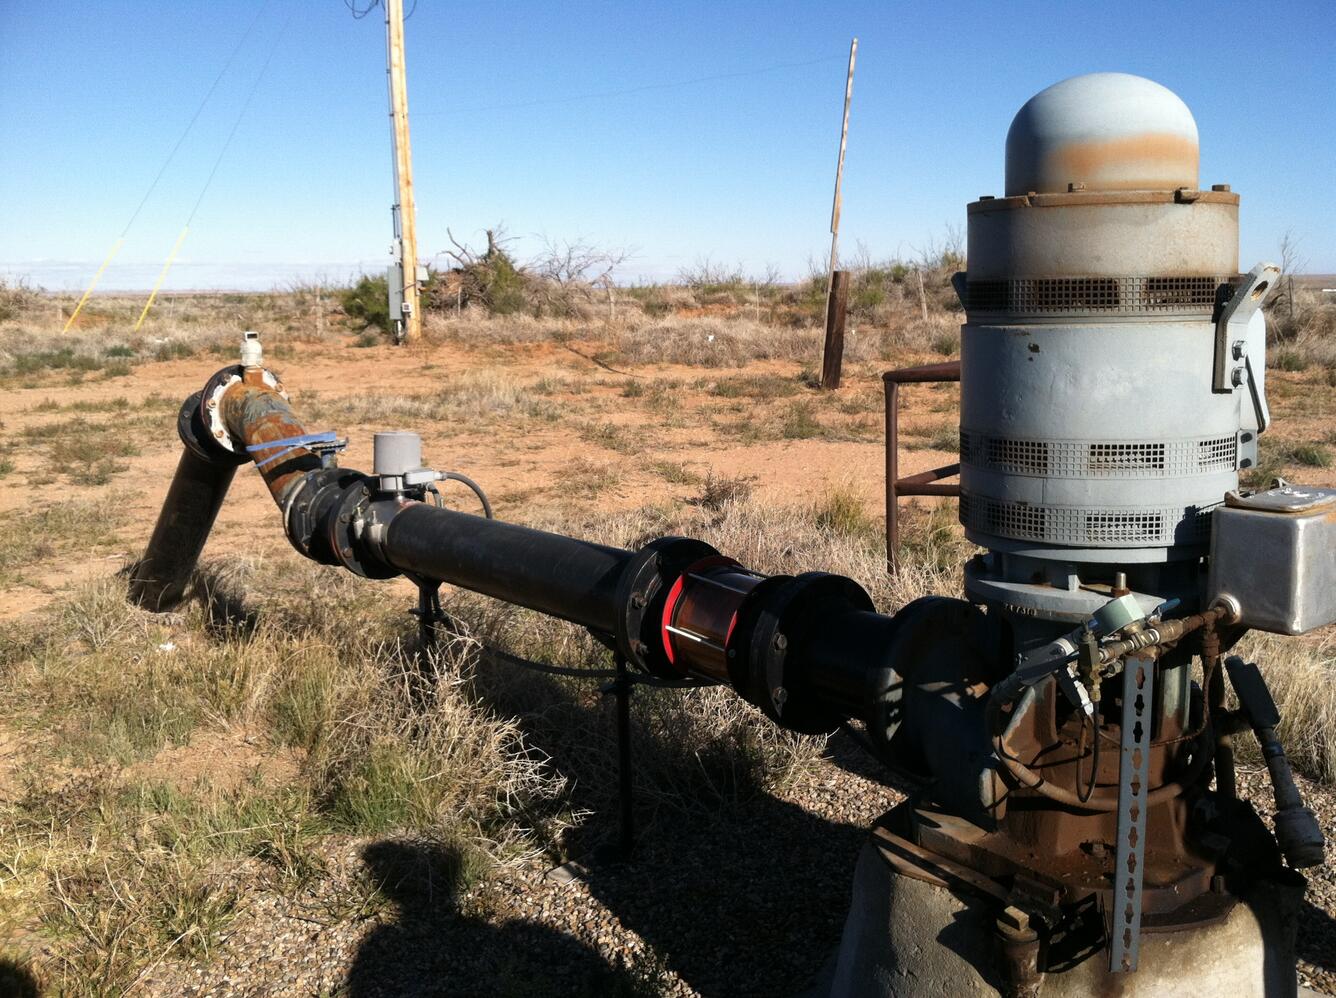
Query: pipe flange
[
  {"x": 304, "y": 508},
  {"x": 640, "y": 597},
  {"x": 211, "y": 405},
  {"x": 190, "y": 427},
  {"x": 787, "y": 608},
  {"x": 341, "y": 527}
]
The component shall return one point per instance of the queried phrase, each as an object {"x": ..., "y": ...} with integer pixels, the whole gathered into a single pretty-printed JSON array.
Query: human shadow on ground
[
  {"x": 1317, "y": 937},
  {"x": 16, "y": 981},
  {"x": 738, "y": 893},
  {"x": 433, "y": 947}
]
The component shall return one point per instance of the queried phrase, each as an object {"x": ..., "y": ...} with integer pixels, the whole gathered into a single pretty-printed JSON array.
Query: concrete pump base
[{"x": 910, "y": 939}]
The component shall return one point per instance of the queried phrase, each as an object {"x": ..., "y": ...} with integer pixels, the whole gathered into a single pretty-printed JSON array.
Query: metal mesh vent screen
[
  {"x": 1217, "y": 453},
  {"x": 1022, "y": 455},
  {"x": 1126, "y": 457},
  {"x": 1085, "y": 527},
  {"x": 1134, "y": 528},
  {"x": 1099, "y": 458},
  {"x": 1098, "y": 294}
]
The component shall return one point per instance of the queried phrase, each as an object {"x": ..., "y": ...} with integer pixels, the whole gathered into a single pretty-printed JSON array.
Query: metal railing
[{"x": 926, "y": 483}]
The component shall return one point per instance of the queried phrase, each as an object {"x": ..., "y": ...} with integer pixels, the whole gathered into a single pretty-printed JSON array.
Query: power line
[
  {"x": 361, "y": 12},
  {"x": 635, "y": 90},
  {"x": 116, "y": 248},
  {"x": 194, "y": 118},
  {"x": 176, "y": 247},
  {"x": 240, "y": 115}
]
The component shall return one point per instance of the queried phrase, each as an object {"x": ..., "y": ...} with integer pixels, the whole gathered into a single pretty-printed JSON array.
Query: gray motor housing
[{"x": 1094, "y": 425}]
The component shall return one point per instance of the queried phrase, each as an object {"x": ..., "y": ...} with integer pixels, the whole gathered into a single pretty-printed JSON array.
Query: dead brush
[
  {"x": 1302, "y": 678},
  {"x": 474, "y": 396}
]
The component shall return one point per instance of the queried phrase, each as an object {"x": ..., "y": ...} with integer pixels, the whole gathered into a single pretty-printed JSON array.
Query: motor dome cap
[{"x": 1102, "y": 132}]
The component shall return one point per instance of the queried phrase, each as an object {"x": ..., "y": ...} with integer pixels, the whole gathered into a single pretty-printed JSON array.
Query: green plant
[
  {"x": 800, "y": 422},
  {"x": 842, "y": 511},
  {"x": 1290, "y": 360},
  {"x": 1309, "y": 455},
  {"x": 946, "y": 344},
  {"x": 368, "y": 302}
]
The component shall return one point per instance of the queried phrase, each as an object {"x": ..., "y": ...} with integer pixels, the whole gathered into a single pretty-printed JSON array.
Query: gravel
[{"x": 746, "y": 901}]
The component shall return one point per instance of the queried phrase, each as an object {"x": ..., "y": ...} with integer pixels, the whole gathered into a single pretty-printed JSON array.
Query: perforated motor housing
[{"x": 1090, "y": 428}]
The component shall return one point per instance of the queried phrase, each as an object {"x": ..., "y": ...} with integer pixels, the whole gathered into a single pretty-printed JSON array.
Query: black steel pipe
[
  {"x": 847, "y": 662},
  {"x": 560, "y": 576},
  {"x": 159, "y": 580}
]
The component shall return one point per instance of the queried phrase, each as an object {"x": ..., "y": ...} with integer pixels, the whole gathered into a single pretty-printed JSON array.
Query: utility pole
[
  {"x": 837, "y": 287},
  {"x": 403, "y": 274}
]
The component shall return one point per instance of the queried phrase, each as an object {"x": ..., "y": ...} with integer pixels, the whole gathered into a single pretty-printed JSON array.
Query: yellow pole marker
[
  {"x": 92, "y": 284},
  {"x": 162, "y": 276}
]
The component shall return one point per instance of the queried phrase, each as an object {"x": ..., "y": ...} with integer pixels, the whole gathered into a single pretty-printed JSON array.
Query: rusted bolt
[
  {"x": 346, "y": 552},
  {"x": 638, "y": 600},
  {"x": 218, "y": 434},
  {"x": 212, "y": 403}
]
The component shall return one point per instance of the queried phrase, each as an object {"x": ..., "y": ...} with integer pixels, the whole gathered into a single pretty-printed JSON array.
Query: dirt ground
[
  {"x": 546, "y": 428},
  {"x": 609, "y": 437},
  {"x": 528, "y": 465}
]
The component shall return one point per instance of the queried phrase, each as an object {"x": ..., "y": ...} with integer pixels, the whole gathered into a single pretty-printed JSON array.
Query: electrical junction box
[{"x": 1274, "y": 552}]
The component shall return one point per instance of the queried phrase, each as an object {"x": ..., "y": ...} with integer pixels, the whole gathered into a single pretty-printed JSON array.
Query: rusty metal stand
[
  {"x": 929, "y": 482},
  {"x": 430, "y": 617},
  {"x": 621, "y": 688}
]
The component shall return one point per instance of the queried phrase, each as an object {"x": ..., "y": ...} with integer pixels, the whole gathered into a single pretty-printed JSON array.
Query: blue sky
[{"x": 738, "y": 170}]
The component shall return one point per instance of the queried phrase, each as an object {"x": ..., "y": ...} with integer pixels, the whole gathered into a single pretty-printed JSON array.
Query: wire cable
[
  {"x": 162, "y": 276},
  {"x": 454, "y": 476},
  {"x": 195, "y": 117},
  {"x": 273, "y": 48},
  {"x": 158, "y": 176},
  {"x": 645, "y": 88}
]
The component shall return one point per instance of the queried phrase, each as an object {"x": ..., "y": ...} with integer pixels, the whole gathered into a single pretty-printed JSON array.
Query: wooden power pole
[
  {"x": 405, "y": 311},
  {"x": 837, "y": 287}
]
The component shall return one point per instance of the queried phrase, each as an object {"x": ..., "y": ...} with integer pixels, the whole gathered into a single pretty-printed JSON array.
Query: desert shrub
[
  {"x": 17, "y": 296},
  {"x": 711, "y": 342},
  {"x": 367, "y": 303}
]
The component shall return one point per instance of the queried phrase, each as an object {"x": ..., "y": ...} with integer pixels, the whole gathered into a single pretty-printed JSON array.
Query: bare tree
[
  {"x": 1290, "y": 263},
  {"x": 569, "y": 262}
]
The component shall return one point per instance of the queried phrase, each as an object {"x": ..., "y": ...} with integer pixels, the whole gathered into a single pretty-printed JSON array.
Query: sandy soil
[{"x": 521, "y": 463}]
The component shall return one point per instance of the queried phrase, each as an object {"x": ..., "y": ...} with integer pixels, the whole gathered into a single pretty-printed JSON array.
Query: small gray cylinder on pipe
[
  {"x": 560, "y": 576},
  {"x": 158, "y": 581}
]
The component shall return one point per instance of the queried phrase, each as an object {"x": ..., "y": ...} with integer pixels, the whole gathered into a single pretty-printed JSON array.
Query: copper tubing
[
  {"x": 1165, "y": 632},
  {"x": 255, "y": 413},
  {"x": 1162, "y": 633},
  {"x": 1102, "y": 803}
]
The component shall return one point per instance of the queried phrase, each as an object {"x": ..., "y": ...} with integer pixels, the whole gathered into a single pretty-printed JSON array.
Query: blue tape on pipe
[{"x": 291, "y": 444}]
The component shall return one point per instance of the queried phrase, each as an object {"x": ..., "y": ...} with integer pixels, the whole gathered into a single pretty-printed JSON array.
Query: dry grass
[
  {"x": 307, "y": 677},
  {"x": 122, "y": 861},
  {"x": 103, "y": 343},
  {"x": 1302, "y": 675},
  {"x": 472, "y": 397}
]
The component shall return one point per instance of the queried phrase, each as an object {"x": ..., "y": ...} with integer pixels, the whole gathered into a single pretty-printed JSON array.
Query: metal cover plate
[{"x": 1285, "y": 499}]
